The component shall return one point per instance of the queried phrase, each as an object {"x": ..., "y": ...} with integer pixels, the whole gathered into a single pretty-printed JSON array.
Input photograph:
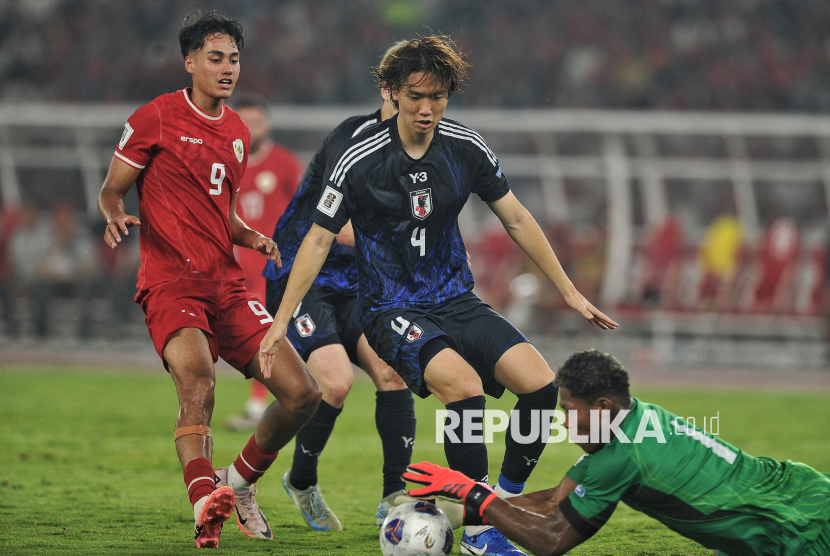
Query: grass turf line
[{"x": 88, "y": 465}]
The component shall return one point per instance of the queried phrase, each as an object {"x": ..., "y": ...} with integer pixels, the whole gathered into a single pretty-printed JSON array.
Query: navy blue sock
[
  {"x": 395, "y": 420},
  {"x": 520, "y": 459},
  {"x": 469, "y": 458},
  {"x": 309, "y": 444}
]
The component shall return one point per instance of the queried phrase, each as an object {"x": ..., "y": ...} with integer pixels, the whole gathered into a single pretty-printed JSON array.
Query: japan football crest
[
  {"x": 305, "y": 326},
  {"x": 421, "y": 203},
  {"x": 414, "y": 333},
  {"x": 239, "y": 149}
]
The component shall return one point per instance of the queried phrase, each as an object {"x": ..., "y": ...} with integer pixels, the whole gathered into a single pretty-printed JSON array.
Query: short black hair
[
  {"x": 251, "y": 100},
  {"x": 198, "y": 26},
  {"x": 436, "y": 55},
  {"x": 591, "y": 374}
]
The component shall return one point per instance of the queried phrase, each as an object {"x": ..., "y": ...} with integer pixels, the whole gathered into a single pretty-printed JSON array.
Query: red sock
[
  {"x": 198, "y": 476},
  {"x": 252, "y": 463},
  {"x": 258, "y": 391}
]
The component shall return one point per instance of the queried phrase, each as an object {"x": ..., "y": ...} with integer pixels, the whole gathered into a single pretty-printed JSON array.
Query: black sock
[
  {"x": 469, "y": 458},
  {"x": 521, "y": 459},
  {"x": 309, "y": 444},
  {"x": 395, "y": 420}
]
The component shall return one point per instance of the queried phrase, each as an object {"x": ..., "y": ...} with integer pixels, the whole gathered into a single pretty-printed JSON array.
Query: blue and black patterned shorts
[
  {"x": 324, "y": 317},
  {"x": 478, "y": 333}
]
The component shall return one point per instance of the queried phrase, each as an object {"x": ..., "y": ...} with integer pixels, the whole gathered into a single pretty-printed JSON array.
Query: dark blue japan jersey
[
  {"x": 338, "y": 272},
  {"x": 404, "y": 212}
]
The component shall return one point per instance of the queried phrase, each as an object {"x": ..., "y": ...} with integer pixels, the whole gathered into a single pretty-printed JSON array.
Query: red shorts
[{"x": 233, "y": 319}]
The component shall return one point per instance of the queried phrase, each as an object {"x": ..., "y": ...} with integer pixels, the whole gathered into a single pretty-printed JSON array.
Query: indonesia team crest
[
  {"x": 414, "y": 333},
  {"x": 421, "y": 203},
  {"x": 239, "y": 149},
  {"x": 305, "y": 326}
]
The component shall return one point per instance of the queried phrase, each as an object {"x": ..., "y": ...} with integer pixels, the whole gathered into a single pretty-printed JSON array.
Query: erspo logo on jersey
[{"x": 191, "y": 140}]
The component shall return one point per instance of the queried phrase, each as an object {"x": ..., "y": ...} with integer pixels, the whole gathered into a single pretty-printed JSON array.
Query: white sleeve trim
[{"x": 128, "y": 161}]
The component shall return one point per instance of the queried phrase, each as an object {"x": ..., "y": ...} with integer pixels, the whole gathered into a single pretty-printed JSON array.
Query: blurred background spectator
[
  {"x": 669, "y": 54},
  {"x": 8, "y": 306},
  {"x": 53, "y": 257}
]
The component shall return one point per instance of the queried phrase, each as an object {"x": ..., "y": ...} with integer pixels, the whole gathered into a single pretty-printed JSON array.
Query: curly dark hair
[
  {"x": 199, "y": 25},
  {"x": 591, "y": 374},
  {"x": 436, "y": 55}
]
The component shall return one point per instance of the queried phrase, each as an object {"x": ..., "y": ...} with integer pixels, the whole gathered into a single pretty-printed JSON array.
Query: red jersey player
[
  {"x": 267, "y": 186},
  {"x": 186, "y": 151}
]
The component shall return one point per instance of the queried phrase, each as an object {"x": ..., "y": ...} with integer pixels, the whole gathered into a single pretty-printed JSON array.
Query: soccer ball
[{"x": 416, "y": 529}]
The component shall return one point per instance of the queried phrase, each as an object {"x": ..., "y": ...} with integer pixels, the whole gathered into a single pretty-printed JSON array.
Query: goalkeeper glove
[{"x": 452, "y": 485}]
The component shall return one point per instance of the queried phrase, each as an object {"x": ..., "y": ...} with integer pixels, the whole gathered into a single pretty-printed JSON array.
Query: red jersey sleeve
[{"x": 141, "y": 136}]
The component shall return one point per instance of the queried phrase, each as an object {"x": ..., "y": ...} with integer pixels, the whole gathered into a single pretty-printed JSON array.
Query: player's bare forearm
[
  {"x": 525, "y": 231},
  {"x": 119, "y": 180},
  {"x": 244, "y": 236},
  {"x": 110, "y": 202},
  {"x": 542, "y": 502},
  {"x": 542, "y": 535},
  {"x": 307, "y": 264},
  {"x": 241, "y": 234}
]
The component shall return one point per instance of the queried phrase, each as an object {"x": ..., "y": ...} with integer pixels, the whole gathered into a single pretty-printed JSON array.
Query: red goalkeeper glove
[{"x": 453, "y": 485}]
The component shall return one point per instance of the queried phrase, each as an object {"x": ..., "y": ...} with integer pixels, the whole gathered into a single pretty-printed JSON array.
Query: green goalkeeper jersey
[{"x": 701, "y": 487}]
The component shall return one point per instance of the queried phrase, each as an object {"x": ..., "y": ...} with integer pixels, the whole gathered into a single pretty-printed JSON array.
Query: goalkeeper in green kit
[{"x": 697, "y": 485}]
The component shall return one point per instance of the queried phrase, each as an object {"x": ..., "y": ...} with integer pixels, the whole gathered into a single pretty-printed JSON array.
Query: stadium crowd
[
  {"x": 51, "y": 255},
  {"x": 759, "y": 55},
  {"x": 55, "y": 274}
]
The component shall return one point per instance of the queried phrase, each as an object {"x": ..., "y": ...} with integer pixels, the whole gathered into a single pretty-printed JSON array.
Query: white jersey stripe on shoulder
[
  {"x": 467, "y": 130},
  {"x": 470, "y": 132},
  {"x": 356, "y": 146},
  {"x": 128, "y": 161},
  {"x": 460, "y": 127},
  {"x": 356, "y": 150},
  {"x": 364, "y": 126},
  {"x": 490, "y": 157},
  {"x": 352, "y": 163},
  {"x": 346, "y": 158}
]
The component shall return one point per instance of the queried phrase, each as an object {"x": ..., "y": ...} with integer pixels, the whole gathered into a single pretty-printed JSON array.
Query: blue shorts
[
  {"x": 324, "y": 317},
  {"x": 478, "y": 333}
]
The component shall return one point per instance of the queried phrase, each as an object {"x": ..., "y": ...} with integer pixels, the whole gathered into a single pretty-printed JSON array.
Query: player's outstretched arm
[
  {"x": 542, "y": 502},
  {"x": 245, "y": 236},
  {"x": 120, "y": 178},
  {"x": 541, "y": 534},
  {"x": 525, "y": 231},
  {"x": 307, "y": 264}
]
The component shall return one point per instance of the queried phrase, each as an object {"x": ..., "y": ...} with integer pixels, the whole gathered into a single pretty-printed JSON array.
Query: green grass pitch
[{"x": 87, "y": 464}]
